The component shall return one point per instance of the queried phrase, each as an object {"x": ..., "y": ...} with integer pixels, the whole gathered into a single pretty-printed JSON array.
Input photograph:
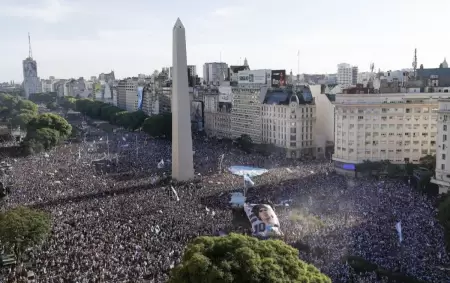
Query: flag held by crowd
[
  {"x": 398, "y": 226},
  {"x": 248, "y": 181},
  {"x": 174, "y": 193}
]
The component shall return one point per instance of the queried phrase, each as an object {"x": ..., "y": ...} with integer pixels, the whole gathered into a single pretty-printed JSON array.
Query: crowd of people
[{"x": 119, "y": 222}]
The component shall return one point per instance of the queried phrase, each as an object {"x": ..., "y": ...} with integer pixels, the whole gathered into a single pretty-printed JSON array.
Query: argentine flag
[
  {"x": 248, "y": 180},
  {"x": 161, "y": 164},
  {"x": 398, "y": 226}
]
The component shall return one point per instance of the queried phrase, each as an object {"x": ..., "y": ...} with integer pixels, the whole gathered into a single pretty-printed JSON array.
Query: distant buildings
[
  {"x": 347, "y": 74},
  {"x": 442, "y": 176},
  {"x": 215, "y": 73},
  {"x": 31, "y": 83}
]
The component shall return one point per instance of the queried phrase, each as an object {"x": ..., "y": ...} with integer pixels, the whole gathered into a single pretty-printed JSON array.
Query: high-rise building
[
  {"x": 346, "y": 74},
  {"x": 399, "y": 127},
  {"x": 214, "y": 73},
  {"x": 192, "y": 70},
  {"x": 354, "y": 75},
  {"x": 31, "y": 82},
  {"x": 442, "y": 176}
]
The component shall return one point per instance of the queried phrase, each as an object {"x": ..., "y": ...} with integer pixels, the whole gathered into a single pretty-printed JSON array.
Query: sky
[{"x": 83, "y": 38}]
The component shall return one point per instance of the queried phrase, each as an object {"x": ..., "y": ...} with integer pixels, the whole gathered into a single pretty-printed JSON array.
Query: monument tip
[{"x": 178, "y": 24}]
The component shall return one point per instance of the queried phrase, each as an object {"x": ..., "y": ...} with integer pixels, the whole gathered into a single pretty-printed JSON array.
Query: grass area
[{"x": 300, "y": 216}]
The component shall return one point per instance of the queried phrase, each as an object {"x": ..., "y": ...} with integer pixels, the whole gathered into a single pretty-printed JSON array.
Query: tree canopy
[
  {"x": 45, "y": 97},
  {"x": 158, "y": 126},
  {"x": 52, "y": 121},
  {"x": 12, "y": 106},
  {"x": 245, "y": 143},
  {"x": 244, "y": 259},
  {"x": 23, "y": 228},
  {"x": 44, "y": 132},
  {"x": 113, "y": 114}
]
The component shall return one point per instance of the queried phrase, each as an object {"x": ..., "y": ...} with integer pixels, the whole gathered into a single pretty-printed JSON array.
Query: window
[
  {"x": 445, "y": 127},
  {"x": 443, "y": 156},
  {"x": 444, "y": 137},
  {"x": 442, "y": 166}
]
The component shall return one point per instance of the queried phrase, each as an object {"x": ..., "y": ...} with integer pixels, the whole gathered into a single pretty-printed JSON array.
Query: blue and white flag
[
  {"x": 161, "y": 164},
  {"x": 175, "y": 194},
  {"x": 248, "y": 180},
  {"x": 398, "y": 226}
]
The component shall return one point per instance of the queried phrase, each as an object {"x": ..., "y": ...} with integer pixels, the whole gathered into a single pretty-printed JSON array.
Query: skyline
[{"x": 83, "y": 39}]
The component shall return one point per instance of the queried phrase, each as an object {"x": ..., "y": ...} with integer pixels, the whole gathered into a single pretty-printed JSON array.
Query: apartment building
[
  {"x": 274, "y": 116},
  {"x": 289, "y": 122},
  {"x": 347, "y": 74},
  {"x": 246, "y": 112},
  {"x": 442, "y": 176},
  {"x": 399, "y": 127},
  {"x": 218, "y": 115},
  {"x": 122, "y": 94}
]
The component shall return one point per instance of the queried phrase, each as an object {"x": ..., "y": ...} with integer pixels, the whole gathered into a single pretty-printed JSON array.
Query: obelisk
[{"x": 182, "y": 154}]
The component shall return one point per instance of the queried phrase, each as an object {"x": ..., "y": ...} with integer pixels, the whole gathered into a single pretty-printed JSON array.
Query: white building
[
  {"x": 131, "y": 97},
  {"x": 47, "y": 86},
  {"x": 215, "y": 73},
  {"x": 346, "y": 74},
  {"x": 442, "y": 176},
  {"x": 192, "y": 70},
  {"x": 399, "y": 127},
  {"x": 290, "y": 126},
  {"x": 246, "y": 112},
  {"x": 325, "y": 116},
  {"x": 31, "y": 82},
  {"x": 267, "y": 116}
]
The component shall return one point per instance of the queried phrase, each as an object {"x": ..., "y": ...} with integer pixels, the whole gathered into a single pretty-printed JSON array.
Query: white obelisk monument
[{"x": 182, "y": 154}]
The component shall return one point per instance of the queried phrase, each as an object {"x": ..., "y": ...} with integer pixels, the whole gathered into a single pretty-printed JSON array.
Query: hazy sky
[{"x": 73, "y": 38}]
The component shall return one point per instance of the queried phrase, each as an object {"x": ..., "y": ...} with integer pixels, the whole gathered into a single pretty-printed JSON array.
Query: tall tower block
[{"x": 182, "y": 154}]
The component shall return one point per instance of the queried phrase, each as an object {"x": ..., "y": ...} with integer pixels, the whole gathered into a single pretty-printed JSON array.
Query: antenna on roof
[
  {"x": 414, "y": 64},
  {"x": 30, "y": 53}
]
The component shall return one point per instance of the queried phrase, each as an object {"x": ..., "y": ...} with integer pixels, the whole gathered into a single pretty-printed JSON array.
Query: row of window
[
  {"x": 391, "y": 110},
  {"x": 386, "y": 118},
  {"x": 384, "y": 135},
  {"x": 384, "y": 151}
]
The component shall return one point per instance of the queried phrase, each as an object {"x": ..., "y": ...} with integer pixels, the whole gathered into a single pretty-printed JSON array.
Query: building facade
[
  {"x": 270, "y": 116},
  {"x": 345, "y": 74},
  {"x": 122, "y": 94},
  {"x": 31, "y": 82},
  {"x": 442, "y": 176},
  {"x": 291, "y": 127},
  {"x": 246, "y": 112},
  {"x": 399, "y": 127},
  {"x": 215, "y": 73}
]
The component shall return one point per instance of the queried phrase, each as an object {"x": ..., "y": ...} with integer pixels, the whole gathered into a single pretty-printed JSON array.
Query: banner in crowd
[
  {"x": 140, "y": 94},
  {"x": 247, "y": 170},
  {"x": 263, "y": 219}
]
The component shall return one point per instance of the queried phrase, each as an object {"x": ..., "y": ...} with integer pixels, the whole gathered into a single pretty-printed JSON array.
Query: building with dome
[{"x": 284, "y": 117}]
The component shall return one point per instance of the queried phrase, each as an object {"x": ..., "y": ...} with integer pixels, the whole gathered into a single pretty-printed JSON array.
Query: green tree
[
  {"x": 245, "y": 143},
  {"x": 429, "y": 162},
  {"x": 26, "y": 105},
  {"x": 409, "y": 168},
  {"x": 23, "y": 119},
  {"x": 68, "y": 102},
  {"x": 52, "y": 121},
  {"x": 52, "y": 105},
  {"x": 47, "y": 137},
  {"x": 158, "y": 126},
  {"x": 244, "y": 259},
  {"x": 23, "y": 228}
]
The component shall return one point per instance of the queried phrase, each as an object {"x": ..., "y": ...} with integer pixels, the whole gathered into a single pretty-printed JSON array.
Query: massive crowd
[{"x": 118, "y": 223}]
